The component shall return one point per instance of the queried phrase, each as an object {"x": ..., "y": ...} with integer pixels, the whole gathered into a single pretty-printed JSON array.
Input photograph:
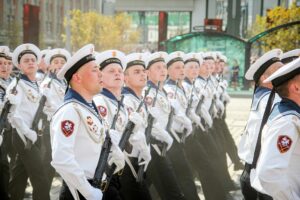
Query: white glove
[
  {"x": 154, "y": 111},
  {"x": 195, "y": 118},
  {"x": 95, "y": 195},
  {"x": 115, "y": 137},
  {"x": 137, "y": 119},
  {"x": 138, "y": 140},
  {"x": 162, "y": 135},
  {"x": 47, "y": 91},
  {"x": 206, "y": 116},
  {"x": 13, "y": 99},
  {"x": 181, "y": 117},
  {"x": 1, "y": 140},
  {"x": 188, "y": 126},
  {"x": 175, "y": 104},
  {"x": 116, "y": 157},
  {"x": 31, "y": 135},
  {"x": 226, "y": 97},
  {"x": 145, "y": 157},
  {"x": 220, "y": 107}
]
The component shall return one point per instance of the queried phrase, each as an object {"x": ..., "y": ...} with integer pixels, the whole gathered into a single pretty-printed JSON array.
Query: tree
[
  {"x": 286, "y": 38},
  {"x": 105, "y": 32}
]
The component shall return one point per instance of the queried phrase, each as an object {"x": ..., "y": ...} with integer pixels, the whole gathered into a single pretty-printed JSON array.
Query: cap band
[
  {"x": 208, "y": 58},
  {"x": 110, "y": 61},
  {"x": 25, "y": 52},
  {"x": 174, "y": 60},
  {"x": 76, "y": 66},
  {"x": 155, "y": 61},
  {"x": 3, "y": 55},
  {"x": 288, "y": 59},
  {"x": 192, "y": 60},
  {"x": 264, "y": 67},
  {"x": 135, "y": 62},
  {"x": 58, "y": 56},
  {"x": 282, "y": 79}
]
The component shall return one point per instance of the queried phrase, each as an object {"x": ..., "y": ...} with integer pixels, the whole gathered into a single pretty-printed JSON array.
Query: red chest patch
[
  {"x": 148, "y": 100},
  {"x": 102, "y": 110},
  {"x": 67, "y": 127},
  {"x": 284, "y": 143}
]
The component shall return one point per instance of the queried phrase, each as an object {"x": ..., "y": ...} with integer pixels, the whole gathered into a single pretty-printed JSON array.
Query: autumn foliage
[
  {"x": 285, "y": 38},
  {"x": 105, "y": 32}
]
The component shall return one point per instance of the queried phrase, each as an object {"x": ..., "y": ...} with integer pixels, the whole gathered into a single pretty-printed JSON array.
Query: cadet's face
[
  {"x": 28, "y": 64},
  {"x": 222, "y": 66},
  {"x": 210, "y": 65},
  {"x": 203, "y": 70},
  {"x": 9, "y": 66},
  {"x": 3, "y": 67},
  {"x": 57, "y": 64},
  {"x": 113, "y": 76},
  {"x": 191, "y": 70},
  {"x": 157, "y": 72},
  {"x": 136, "y": 76},
  {"x": 176, "y": 70},
  {"x": 217, "y": 67},
  {"x": 90, "y": 77}
]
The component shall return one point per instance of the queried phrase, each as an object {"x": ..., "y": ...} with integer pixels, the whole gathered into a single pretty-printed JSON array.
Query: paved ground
[{"x": 237, "y": 114}]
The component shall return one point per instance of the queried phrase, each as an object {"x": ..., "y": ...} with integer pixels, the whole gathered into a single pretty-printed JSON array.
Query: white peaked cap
[
  {"x": 284, "y": 73},
  {"x": 174, "y": 57},
  {"x": 110, "y": 56},
  {"x": 134, "y": 59},
  {"x": 150, "y": 59},
  {"x": 56, "y": 53},
  {"x": 290, "y": 55},
  {"x": 192, "y": 57},
  {"x": 81, "y": 57},
  {"x": 23, "y": 49},
  {"x": 262, "y": 63}
]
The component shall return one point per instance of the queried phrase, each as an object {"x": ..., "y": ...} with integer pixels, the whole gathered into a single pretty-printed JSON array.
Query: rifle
[
  {"x": 151, "y": 118},
  {"x": 6, "y": 108},
  {"x": 213, "y": 100},
  {"x": 105, "y": 150},
  {"x": 171, "y": 115},
  {"x": 187, "y": 112},
  {"x": 39, "y": 115}
]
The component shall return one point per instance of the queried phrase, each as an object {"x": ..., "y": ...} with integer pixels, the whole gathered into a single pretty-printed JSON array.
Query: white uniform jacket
[
  {"x": 278, "y": 167},
  {"x": 249, "y": 137},
  {"x": 54, "y": 90},
  {"x": 77, "y": 135},
  {"x": 25, "y": 102}
]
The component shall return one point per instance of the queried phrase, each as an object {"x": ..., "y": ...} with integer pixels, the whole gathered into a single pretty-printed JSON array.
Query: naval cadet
[
  {"x": 77, "y": 125},
  {"x": 135, "y": 77},
  {"x": 54, "y": 91},
  {"x": 259, "y": 71},
  {"x": 277, "y": 169},
  {"x": 111, "y": 106},
  {"x": 160, "y": 171},
  {"x": 24, "y": 95},
  {"x": 5, "y": 135},
  {"x": 182, "y": 126}
]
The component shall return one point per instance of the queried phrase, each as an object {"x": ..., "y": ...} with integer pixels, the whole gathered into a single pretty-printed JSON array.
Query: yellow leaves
[
  {"x": 285, "y": 38},
  {"x": 105, "y": 32}
]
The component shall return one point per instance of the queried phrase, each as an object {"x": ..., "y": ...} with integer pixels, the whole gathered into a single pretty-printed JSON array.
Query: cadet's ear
[
  {"x": 294, "y": 87},
  {"x": 76, "y": 77}
]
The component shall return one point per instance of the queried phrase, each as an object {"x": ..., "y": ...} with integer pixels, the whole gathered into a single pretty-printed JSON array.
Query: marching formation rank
[{"x": 113, "y": 126}]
